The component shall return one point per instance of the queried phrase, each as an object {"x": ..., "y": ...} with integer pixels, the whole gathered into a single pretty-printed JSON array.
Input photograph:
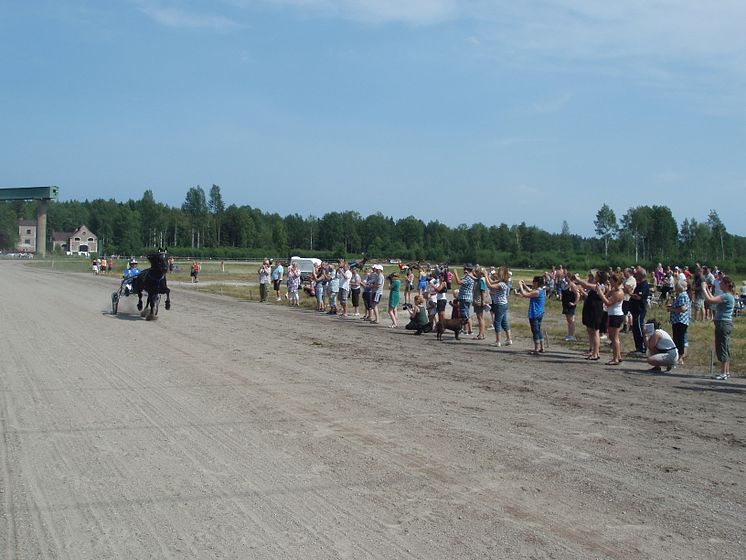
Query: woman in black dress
[{"x": 593, "y": 311}]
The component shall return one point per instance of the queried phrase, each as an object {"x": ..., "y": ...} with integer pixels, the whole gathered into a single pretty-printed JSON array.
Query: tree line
[{"x": 204, "y": 226}]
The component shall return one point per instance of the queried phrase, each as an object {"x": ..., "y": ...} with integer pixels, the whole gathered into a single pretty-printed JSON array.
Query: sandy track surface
[{"x": 240, "y": 430}]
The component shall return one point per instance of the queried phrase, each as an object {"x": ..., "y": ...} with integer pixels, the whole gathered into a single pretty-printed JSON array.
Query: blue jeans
[
  {"x": 465, "y": 308},
  {"x": 536, "y": 328},
  {"x": 501, "y": 316}
]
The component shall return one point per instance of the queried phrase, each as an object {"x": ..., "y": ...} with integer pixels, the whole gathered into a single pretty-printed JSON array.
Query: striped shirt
[
  {"x": 466, "y": 289},
  {"x": 682, "y": 317}
]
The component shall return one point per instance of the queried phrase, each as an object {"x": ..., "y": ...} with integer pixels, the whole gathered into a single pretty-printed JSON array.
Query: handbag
[{"x": 486, "y": 297}]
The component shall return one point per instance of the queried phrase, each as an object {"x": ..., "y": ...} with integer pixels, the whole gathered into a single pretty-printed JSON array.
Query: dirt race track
[{"x": 248, "y": 431}]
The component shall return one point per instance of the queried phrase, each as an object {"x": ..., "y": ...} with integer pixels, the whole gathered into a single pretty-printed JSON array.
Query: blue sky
[{"x": 461, "y": 111}]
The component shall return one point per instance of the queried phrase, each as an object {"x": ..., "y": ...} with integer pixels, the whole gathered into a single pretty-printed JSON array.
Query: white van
[{"x": 305, "y": 266}]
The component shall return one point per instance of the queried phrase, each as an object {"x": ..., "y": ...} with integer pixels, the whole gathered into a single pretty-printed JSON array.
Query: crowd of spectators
[{"x": 612, "y": 302}]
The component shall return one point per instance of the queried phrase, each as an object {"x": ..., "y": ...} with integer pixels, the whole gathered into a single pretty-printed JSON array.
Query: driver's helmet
[{"x": 133, "y": 262}]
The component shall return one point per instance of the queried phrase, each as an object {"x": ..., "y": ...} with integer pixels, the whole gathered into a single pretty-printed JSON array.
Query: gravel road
[{"x": 249, "y": 431}]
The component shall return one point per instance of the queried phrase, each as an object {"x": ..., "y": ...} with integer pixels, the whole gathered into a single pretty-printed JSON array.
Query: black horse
[{"x": 153, "y": 281}]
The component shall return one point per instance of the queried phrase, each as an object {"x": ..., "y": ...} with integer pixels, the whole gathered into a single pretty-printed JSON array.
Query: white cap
[{"x": 378, "y": 267}]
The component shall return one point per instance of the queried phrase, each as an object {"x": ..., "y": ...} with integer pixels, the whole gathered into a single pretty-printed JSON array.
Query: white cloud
[
  {"x": 669, "y": 177},
  {"x": 525, "y": 195},
  {"x": 551, "y": 105},
  {"x": 414, "y": 12},
  {"x": 510, "y": 141},
  {"x": 184, "y": 18},
  {"x": 687, "y": 31},
  {"x": 692, "y": 50},
  {"x": 682, "y": 30},
  {"x": 658, "y": 41}
]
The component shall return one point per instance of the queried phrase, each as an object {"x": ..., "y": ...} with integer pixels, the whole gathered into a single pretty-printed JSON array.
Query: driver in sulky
[{"x": 130, "y": 272}]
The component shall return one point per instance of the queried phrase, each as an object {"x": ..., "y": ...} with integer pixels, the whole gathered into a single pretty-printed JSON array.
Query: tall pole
[{"x": 41, "y": 228}]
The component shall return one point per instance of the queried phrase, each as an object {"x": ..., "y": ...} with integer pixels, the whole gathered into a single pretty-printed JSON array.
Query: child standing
[{"x": 455, "y": 306}]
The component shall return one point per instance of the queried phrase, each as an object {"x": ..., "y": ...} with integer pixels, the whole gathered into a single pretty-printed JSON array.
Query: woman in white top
[
  {"x": 661, "y": 347},
  {"x": 499, "y": 289},
  {"x": 613, "y": 299},
  {"x": 355, "y": 284}
]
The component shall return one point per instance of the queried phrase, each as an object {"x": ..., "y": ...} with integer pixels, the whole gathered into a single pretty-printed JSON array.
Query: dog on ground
[{"x": 454, "y": 325}]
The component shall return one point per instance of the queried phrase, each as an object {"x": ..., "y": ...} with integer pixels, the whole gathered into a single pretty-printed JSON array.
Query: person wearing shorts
[
  {"x": 318, "y": 288},
  {"x": 376, "y": 287},
  {"x": 277, "y": 274},
  {"x": 629, "y": 285},
  {"x": 481, "y": 300},
  {"x": 465, "y": 294},
  {"x": 345, "y": 276},
  {"x": 408, "y": 285},
  {"x": 613, "y": 298},
  {"x": 355, "y": 282}
]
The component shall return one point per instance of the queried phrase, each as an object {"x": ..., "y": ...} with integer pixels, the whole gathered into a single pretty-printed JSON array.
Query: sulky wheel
[{"x": 114, "y": 303}]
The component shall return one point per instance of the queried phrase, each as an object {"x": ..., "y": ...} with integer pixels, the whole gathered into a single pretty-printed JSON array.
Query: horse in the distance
[{"x": 153, "y": 281}]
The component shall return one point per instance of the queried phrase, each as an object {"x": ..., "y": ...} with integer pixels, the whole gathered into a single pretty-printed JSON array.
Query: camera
[{"x": 407, "y": 306}]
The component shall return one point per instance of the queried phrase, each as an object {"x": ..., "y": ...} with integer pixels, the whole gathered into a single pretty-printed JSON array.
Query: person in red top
[{"x": 195, "y": 272}]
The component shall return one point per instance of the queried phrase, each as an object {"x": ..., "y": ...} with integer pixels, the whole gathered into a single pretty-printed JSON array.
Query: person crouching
[
  {"x": 418, "y": 319},
  {"x": 661, "y": 347}
]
